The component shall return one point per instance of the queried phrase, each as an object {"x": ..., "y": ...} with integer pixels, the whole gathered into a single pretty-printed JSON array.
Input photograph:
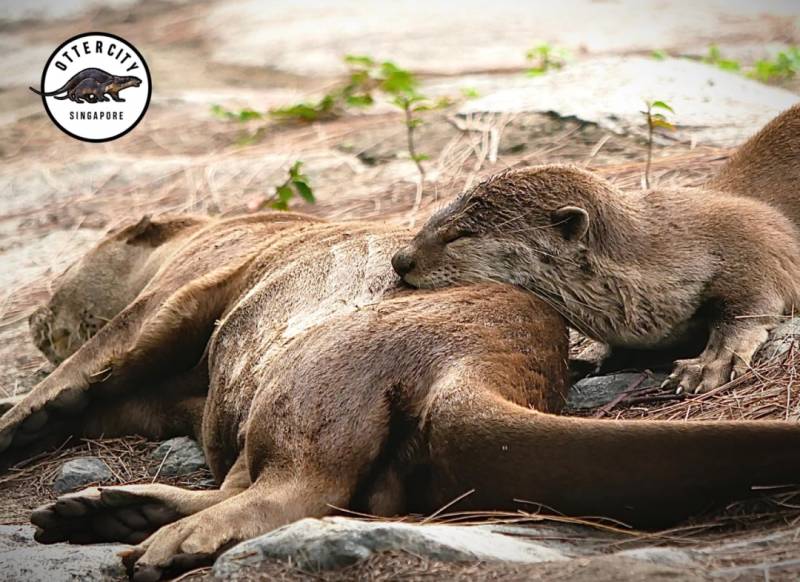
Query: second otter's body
[{"x": 633, "y": 269}]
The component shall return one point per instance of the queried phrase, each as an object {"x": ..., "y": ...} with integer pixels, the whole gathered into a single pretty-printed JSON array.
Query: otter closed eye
[{"x": 455, "y": 233}]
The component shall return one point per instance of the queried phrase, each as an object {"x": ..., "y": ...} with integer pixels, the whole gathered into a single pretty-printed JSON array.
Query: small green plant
[
  {"x": 659, "y": 55},
  {"x": 714, "y": 57},
  {"x": 546, "y": 57},
  {"x": 306, "y": 111},
  {"x": 242, "y": 115},
  {"x": 245, "y": 137},
  {"x": 470, "y": 93},
  {"x": 654, "y": 120},
  {"x": 785, "y": 65},
  {"x": 366, "y": 77},
  {"x": 296, "y": 184},
  {"x": 413, "y": 104}
]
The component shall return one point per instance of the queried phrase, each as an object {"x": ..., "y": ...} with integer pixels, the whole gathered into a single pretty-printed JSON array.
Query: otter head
[
  {"x": 100, "y": 285},
  {"x": 531, "y": 227},
  {"x": 125, "y": 82}
]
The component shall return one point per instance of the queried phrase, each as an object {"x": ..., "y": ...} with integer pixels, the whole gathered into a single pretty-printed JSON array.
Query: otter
[
  {"x": 90, "y": 91},
  {"x": 96, "y": 82},
  {"x": 315, "y": 379},
  {"x": 638, "y": 270}
]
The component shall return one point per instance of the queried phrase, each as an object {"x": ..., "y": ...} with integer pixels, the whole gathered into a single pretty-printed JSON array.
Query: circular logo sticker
[{"x": 95, "y": 87}]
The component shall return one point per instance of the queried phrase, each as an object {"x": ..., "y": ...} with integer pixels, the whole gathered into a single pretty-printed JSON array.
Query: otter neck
[
  {"x": 619, "y": 226},
  {"x": 593, "y": 288}
]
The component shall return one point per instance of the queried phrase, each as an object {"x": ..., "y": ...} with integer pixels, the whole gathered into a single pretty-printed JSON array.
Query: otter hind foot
[
  {"x": 127, "y": 514},
  {"x": 29, "y": 420}
]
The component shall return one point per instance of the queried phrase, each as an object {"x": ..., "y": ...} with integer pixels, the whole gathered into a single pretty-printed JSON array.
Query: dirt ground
[{"x": 59, "y": 195}]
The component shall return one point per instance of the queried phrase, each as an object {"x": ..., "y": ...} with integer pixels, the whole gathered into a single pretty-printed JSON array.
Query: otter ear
[
  {"x": 140, "y": 228},
  {"x": 571, "y": 221},
  {"x": 145, "y": 233}
]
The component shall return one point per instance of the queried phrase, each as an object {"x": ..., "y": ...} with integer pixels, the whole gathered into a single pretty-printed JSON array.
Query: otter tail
[
  {"x": 767, "y": 166},
  {"x": 51, "y": 93},
  {"x": 647, "y": 474}
]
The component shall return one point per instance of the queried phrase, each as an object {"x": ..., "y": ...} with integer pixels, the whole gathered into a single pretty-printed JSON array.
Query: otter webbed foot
[
  {"x": 125, "y": 514},
  {"x": 727, "y": 356}
]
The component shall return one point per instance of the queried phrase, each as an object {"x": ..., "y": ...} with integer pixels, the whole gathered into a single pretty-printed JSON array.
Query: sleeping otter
[{"x": 638, "y": 270}]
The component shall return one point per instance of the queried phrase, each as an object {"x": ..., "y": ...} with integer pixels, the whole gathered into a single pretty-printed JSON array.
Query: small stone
[
  {"x": 183, "y": 456},
  {"x": 79, "y": 473},
  {"x": 780, "y": 341},
  {"x": 21, "y": 558},
  {"x": 334, "y": 542},
  {"x": 712, "y": 106},
  {"x": 599, "y": 390}
]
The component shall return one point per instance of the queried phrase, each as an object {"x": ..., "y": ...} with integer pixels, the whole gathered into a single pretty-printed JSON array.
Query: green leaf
[
  {"x": 412, "y": 123},
  {"x": 397, "y": 81},
  {"x": 659, "y": 55},
  {"x": 662, "y": 123},
  {"x": 304, "y": 190},
  {"x": 713, "y": 55},
  {"x": 294, "y": 171},
  {"x": 539, "y": 51},
  {"x": 420, "y": 157},
  {"x": 728, "y": 65},
  {"x": 280, "y": 205},
  {"x": 359, "y": 100},
  {"x": 470, "y": 92},
  {"x": 536, "y": 71},
  {"x": 284, "y": 193},
  {"x": 248, "y": 114},
  {"x": 304, "y": 111},
  {"x": 220, "y": 111},
  {"x": 661, "y": 105},
  {"x": 362, "y": 60},
  {"x": 785, "y": 65}
]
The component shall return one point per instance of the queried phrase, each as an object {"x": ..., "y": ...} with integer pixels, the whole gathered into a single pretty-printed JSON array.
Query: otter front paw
[
  {"x": 184, "y": 545},
  {"x": 698, "y": 375}
]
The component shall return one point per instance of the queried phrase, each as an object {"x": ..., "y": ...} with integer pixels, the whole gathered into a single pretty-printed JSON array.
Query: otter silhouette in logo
[{"x": 92, "y": 86}]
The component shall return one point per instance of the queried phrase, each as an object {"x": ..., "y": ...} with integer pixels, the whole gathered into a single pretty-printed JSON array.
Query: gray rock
[
  {"x": 334, "y": 542},
  {"x": 21, "y": 558},
  {"x": 599, "y": 390},
  {"x": 672, "y": 557},
  {"x": 780, "y": 341},
  {"x": 78, "y": 473},
  {"x": 183, "y": 456},
  {"x": 711, "y": 106}
]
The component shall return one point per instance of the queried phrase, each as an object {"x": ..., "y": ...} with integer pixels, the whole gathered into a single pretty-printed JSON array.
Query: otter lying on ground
[
  {"x": 638, "y": 270},
  {"x": 314, "y": 380}
]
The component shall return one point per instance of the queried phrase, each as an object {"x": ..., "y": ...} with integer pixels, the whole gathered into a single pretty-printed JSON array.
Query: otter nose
[{"x": 402, "y": 263}]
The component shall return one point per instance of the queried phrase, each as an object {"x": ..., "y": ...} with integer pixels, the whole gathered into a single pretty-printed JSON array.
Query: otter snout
[{"x": 403, "y": 262}]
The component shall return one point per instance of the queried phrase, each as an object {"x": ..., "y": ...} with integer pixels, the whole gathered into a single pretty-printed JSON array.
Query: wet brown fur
[
  {"x": 638, "y": 270},
  {"x": 314, "y": 380}
]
